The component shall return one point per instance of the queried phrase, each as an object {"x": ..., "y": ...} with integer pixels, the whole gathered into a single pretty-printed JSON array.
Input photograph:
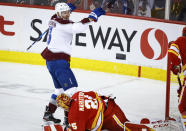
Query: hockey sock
[{"x": 52, "y": 107}]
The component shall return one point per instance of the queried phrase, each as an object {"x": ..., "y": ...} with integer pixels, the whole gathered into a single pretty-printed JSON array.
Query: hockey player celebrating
[
  {"x": 57, "y": 53},
  {"x": 178, "y": 48}
]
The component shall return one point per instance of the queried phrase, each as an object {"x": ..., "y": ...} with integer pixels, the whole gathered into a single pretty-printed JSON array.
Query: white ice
[{"x": 26, "y": 89}]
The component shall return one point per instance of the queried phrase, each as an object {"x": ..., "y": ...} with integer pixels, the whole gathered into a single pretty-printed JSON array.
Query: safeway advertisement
[{"x": 114, "y": 39}]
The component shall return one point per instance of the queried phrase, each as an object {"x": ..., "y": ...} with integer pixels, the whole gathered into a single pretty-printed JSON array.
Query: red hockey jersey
[
  {"x": 178, "y": 48},
  {"x": 86, "y": 112}
]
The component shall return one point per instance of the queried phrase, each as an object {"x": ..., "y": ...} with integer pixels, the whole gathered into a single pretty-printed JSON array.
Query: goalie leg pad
[
  {"x": 114, "y": 117},
  {"x": 136, "y": 127},
  {"x": 52, "y": 127}
]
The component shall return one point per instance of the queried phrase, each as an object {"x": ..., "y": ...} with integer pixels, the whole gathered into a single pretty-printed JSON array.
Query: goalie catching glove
[{"x": 96, "y": 13}]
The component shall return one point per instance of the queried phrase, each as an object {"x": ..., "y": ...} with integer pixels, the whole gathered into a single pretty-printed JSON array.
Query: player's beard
[{"x": 65, "y": 15}]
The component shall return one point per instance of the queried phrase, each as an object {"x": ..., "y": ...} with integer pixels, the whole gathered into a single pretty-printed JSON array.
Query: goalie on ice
[{"x": 88, "y": 111}]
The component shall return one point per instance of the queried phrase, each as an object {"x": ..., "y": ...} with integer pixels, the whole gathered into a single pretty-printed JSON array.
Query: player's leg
[
  {"x": 67, "y": 81},
  {"x": 53, "y": 67},
  {"x": 115, "y": 120},
  {"x": 64, "y": 81},
  {"x": 114, "y": 117},
  {"x": 52, "y": 106}
]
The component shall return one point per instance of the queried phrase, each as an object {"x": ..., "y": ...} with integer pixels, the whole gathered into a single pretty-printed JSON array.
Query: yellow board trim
[
  {"x": 21, "y": 57},
  {"x": 104, "y": 66},
  {"x": 153, "y": 73},
  {"x": 86, "y": 64}
]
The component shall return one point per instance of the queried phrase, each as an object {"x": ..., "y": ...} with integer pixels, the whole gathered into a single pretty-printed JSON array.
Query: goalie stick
[{"x": 37, "y": 39}]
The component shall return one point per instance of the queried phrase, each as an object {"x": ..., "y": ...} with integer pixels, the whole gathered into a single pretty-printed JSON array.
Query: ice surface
[{"x": 26, "y": 89}]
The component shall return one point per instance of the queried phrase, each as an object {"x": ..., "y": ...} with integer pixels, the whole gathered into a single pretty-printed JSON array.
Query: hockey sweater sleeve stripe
[
  {"x": 118, "y": 121},
  {"x": 99, "y": 114},
  {"x": 174, "y": 52},
  {"x": 174, "y": 49}
]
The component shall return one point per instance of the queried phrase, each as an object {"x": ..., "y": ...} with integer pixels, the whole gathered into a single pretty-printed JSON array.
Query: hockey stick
[
  {"x": 37, "y": 39},
  {"x": 179, "y": 81}
]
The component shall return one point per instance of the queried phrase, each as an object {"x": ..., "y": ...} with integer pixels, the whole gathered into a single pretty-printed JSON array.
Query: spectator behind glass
[
  {"x": 159, "y": 9},
  {"x": 23, "y": 2},
  {"x": 42, "y": 2},
  {"x": 144, "y": 8},
  {"x": 92, "y": 4},
  {"x": 8, "y": 1},
  {"x": 53, "y": 2},
  {"x": 182, "y": 14},
  {"x": 127, "y": 7},
  {"x": 115, "y": 6},
  {"x": 178, "y": 10},
  {"x": 121, "y": 6}
]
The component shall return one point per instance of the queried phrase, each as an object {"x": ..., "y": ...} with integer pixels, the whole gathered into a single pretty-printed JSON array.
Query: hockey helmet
[
  {"x": 184, "y": 31},
  {"x": 60, "y": 7},
  {"x": 64, "y": 101}
]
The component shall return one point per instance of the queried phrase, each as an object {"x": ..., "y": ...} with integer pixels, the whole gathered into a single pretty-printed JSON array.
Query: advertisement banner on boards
[{"x": 113, "y": 39}]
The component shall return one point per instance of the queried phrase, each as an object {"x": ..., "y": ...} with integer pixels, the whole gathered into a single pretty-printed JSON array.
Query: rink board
[{"x": 115, "y": 44}]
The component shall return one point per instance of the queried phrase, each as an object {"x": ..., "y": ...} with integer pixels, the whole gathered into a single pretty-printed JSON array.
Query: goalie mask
[
  {"x": 61, "y": 7},
  {"x": 64, "y": 101}
]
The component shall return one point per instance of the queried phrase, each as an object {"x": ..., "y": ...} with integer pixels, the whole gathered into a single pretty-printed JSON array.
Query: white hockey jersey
[{"x": 61, "y": 34}]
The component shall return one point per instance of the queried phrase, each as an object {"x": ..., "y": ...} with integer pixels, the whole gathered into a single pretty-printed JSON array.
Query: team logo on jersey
[
  {"x": 154, "y": 44},
  {"x": 3, "y": 22}
]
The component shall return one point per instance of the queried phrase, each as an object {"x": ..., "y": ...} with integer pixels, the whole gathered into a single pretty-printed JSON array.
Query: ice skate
[{"x": 48, "y": 116}]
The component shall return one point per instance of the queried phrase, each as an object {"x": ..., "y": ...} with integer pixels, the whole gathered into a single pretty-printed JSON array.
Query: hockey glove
[
  {"x": 72, "y": 7},
  {"x": 176, "y": 69},
  {"x": 108, "y": 98},
  {"x": 96, "y": 13}
]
